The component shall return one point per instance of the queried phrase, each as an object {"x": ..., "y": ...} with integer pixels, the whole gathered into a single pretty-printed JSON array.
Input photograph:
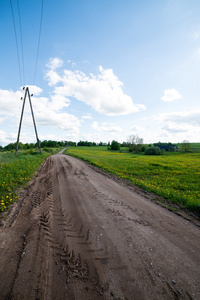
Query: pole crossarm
[{"x": 20, "y": 123}]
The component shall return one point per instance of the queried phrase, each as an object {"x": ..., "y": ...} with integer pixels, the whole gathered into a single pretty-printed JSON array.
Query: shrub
[
  {"x": 152, "y": 151},
  {"x": 31, "y": 151},
  {"x": 115, "y": 145}
]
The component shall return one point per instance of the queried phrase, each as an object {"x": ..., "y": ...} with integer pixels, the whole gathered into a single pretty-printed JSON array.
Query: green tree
[
  {"x": 115, "y": 145},
  {"x": 135, "y": 143},
  {"x": 185, "y": 146}
]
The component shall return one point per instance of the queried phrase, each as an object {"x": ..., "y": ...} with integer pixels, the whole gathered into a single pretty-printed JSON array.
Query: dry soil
[{"x": 75, "y": 233}]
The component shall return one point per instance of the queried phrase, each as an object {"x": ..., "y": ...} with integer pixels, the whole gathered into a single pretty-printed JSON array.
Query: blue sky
[{"x": 106, "y": 70}]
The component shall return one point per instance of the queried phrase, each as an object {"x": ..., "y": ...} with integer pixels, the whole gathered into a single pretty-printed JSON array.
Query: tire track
[{"x": 79, "y": 235}]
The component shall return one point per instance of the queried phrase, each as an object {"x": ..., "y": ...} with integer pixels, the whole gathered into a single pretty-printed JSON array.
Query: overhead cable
[
  {"x": 20, "y": 27},
  {"x": 16, "y": 42},
  {"x": 38, "y": 43}
]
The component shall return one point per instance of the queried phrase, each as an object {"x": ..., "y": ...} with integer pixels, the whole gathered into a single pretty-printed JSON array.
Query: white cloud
[
  {"x": 189, "y": 117},
  {"x": 59, "y": 102},
  {"x": 177, "y": 126},
  {"x": 89, "y": 117},
  {"x": 55, "y": 63},
  {"x": 102, "y": 92},
  {"x": 180, "y": 132},
  {"x": 10, "y": 103},
  {"x": 106, "y": 127},
  {"x": 3, "y": 137},
  {"x": 47, "y": 112},
  {"x": 52, "y": 77},
  {"x": 62, "y": 120},
  {"x": 174, "y": 127},
  {"x": 35, "y": 90},
  {"x": 91, "y": 137},
  {"x": 7, "y": 138},
  {"x": 170, "y": 95}
]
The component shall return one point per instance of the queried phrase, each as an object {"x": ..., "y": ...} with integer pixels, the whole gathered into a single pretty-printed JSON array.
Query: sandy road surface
[{"x": 76, "y": 234}]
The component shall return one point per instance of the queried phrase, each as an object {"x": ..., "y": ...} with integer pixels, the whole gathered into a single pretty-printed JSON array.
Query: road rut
[{"x": 78, "y": 234}]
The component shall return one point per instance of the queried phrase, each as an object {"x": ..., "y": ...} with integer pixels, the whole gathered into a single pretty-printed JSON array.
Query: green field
[
  {"x": 16, "y": 171},
  {"x": 194, "y": 147},
  {"x": 174, "y": 176}
]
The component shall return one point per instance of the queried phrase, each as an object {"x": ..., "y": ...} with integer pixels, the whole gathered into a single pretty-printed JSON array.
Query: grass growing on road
[
  {"x": 174, "y": 176},
  {"x": 15, "y": 171}
]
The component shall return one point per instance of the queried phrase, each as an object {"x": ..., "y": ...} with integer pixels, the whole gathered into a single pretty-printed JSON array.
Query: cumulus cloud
[
  {"x": 170, "y": 95},
  {"x": 62, "y": 120},
  {"x": 106, "y": 127},
  {"x": 55, "y": 63},
  {"x": 103, "y": 92},
  {"x": 189, "y": 117},
  {"x": 3, "y": 137},
  {"x": 33, "y": 89},
  {"x": 47, "y": 111},
  {"x": 174, "y": 127},
  {"x": 6, "y": 138},
  {"x": 180, "y": 125},
  {"x": 59, "y": 102},
  {"x": 10, "y": 102},
  {"x": 51, "y": 75}
]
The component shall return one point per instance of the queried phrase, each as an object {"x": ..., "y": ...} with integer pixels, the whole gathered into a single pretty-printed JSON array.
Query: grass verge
[{"x": 15, "y": 172}]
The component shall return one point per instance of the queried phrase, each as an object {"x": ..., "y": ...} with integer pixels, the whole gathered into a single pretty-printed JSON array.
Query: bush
[
  {"x": 115, "y": 145},
  {"x": 153, "y": 151},
  {"x": 31, "y": 151}
]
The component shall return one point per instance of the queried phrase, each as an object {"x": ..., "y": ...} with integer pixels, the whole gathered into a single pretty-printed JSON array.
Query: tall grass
[{"x": 16, "y": 171}]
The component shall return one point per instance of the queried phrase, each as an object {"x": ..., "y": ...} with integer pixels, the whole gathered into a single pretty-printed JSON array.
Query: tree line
[
  {"x": 43, "y": 144},
  {"x": 134, "y": 144}
]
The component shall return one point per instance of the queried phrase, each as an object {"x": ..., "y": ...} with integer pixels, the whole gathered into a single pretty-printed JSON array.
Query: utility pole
[{"x": 20, "y": 123}]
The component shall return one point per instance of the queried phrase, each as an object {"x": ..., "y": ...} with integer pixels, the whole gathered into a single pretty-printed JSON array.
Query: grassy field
[
  {"x": 174, "y": 176},
  {"x": 194, "y": 147},
  {"x": 16, "y": 171}
]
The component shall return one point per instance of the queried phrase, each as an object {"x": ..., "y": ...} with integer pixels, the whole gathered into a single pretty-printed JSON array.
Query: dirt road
[{"x": 78, "y": 234}]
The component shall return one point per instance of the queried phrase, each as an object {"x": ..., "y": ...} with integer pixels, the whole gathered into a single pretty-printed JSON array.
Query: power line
[
  {"x": 16, "y": 42},
  {"x": 38, "y": 43},
  {"x": 20, "y": 27}
]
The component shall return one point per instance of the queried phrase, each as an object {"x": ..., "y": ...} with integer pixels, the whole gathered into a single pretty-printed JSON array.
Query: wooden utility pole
[{"x": 20, "y": 123}]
